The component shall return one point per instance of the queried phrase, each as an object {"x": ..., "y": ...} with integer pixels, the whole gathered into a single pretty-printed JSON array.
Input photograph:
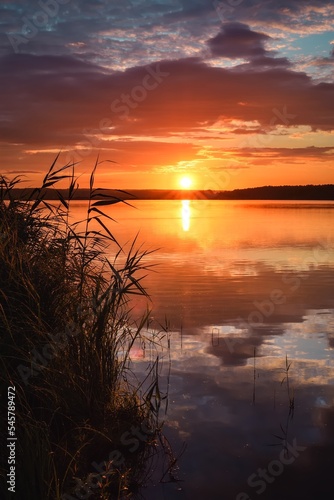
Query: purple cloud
[{"x": 237, "y": 40}]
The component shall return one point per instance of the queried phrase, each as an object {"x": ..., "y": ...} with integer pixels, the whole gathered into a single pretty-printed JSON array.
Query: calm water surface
[{"x": 243, "y": 285}]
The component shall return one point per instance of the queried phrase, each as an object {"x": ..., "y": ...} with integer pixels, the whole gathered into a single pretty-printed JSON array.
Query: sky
[{"x": 229, "y": 94}]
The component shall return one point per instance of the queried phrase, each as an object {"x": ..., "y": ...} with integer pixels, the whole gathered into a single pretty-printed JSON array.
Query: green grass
[{"x": 66, "y": 334}]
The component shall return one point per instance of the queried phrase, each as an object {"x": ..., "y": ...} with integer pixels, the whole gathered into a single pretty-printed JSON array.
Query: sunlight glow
[{"x": 186, "y": 182}]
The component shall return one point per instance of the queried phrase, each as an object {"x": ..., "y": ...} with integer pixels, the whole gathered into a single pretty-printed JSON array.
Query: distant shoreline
[{"x": 324, "y": 192}]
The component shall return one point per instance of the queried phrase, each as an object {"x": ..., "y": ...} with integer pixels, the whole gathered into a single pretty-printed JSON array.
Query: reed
[{"x": 66, "y": 336}]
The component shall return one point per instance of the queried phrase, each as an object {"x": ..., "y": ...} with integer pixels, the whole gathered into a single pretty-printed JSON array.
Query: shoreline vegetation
[
  {"x": 86, "y": 427},
  {"x": 323, "y": 192}
]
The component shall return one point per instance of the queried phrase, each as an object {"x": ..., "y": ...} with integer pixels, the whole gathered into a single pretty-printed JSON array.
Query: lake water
[{"x": 247, "y": 290}]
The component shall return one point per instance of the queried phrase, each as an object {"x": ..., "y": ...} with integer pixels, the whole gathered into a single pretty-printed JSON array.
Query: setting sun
[{"x": 186, "y": 182}]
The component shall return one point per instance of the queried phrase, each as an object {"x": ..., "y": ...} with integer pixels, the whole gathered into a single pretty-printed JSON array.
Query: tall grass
[{"x": 66, "y": 335}]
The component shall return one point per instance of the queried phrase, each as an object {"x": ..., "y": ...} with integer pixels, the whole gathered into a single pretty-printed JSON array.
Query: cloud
[
  {"x": 304, "y": 16},
  {"x": 21, "y": 172},
  {"x": 270, "y": 62},
  {"x": 324, "y": 61},
  {"x": 237, "y": 40},
  {"x": 123, "y": 34},
  {"x": 60, "y": 98},
  {"x": 309, "y": 152},
  {"x": 42, "y": 64},
  {"x": 225, "y": 71}
]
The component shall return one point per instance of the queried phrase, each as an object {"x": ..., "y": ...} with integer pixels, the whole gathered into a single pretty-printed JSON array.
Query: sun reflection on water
[{"x": 185, "y": 214}]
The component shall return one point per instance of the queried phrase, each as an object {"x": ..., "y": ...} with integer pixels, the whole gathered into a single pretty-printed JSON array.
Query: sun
[{"x": 186, "y": 182}]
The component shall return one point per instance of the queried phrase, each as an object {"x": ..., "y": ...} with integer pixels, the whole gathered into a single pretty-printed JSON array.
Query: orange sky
[{"x": 231, "y": 98}]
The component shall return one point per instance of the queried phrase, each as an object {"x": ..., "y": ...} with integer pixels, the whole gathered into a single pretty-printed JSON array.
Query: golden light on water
[{"x": 185, "y": 213}]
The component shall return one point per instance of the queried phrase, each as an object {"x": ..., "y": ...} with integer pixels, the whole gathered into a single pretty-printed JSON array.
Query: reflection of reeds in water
[
  {"x": 254, "y": 375},
  {"x": 284, "y": 436},
  {"x": 171, "y": 468},
  {"x": 215, "y": 337},
  {"x": 291, "y": 394},
  {"x": 66, "y": 337}
]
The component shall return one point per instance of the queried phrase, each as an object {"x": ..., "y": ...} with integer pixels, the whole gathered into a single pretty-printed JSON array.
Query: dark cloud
[
  {"x": 270, "y": 62},
  {"x": 299, "y": 16},
  {"x": 65, "y": 81},
  {"x": 270, "y": 10},
  {"x": 106, "y": 27},
  {"x": 237, "y": 40},
  {"x": 42, "y": 64},
  {"x": 60, "y": 97},
  {"x": 308, "y": 152}
]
